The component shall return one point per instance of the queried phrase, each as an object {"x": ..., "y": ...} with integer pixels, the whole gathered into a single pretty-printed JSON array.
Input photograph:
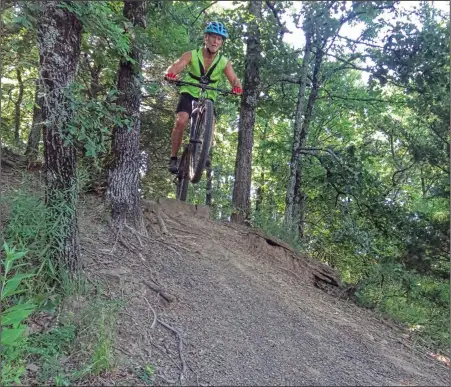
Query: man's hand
[
  {"x": 237, "y": 90},
  {"x": 170, "y": 76}
]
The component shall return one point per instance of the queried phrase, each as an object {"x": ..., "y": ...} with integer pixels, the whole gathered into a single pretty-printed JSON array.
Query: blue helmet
[{"x": 215, "y": 27}]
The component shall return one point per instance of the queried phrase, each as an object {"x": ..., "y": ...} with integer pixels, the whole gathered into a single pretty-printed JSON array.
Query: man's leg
[
  {"x": 176, "y": 139},
  {"x": 177, "y": 132}
]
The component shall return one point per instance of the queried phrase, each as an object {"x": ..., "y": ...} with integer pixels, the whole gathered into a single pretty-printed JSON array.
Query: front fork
[{"x": 192, "y": 136}]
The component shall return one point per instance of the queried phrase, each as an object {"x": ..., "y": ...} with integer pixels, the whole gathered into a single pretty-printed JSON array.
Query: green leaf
[
  {"x": 49, "y": 306},
  {"x": 16, "y": 314},
  {"x": 13, "y": 255},
  {"x": 11, "y": 336},
  {"x": 12, "y": 284}
]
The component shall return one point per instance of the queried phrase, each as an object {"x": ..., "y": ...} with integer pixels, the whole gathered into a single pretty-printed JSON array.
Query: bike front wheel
[
  {"x": 183, "y": 176},
  {"x": 202, "y": 132}
]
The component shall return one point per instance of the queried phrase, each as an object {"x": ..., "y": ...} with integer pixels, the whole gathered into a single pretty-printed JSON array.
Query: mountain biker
[{"x": 206, "y": 63}]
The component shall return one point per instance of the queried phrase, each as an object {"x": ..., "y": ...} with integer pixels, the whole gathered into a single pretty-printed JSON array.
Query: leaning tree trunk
[
  {"x": 124, "y": 179},
  {"x": 59, "y": 39},
  {"x": 243, "y": 164},
  {"x": 18, "y": 106},
  {"x": 298, "y": 138},
  {"x": 35, "y": 133},
  {"x": 300, "y": 197}
]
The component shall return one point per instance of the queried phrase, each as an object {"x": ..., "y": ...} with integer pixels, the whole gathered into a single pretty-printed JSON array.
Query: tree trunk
[
  {"x": 18, "y": 105},
  {"x": 299, "y": 207},
  {"x": 124, "y": 179},
  {"x": 59, "y": 39},
  {"x": 35, "y": 133},
  {"x": 260, "y": 189},
  {"x": 209, "y": 188},
  {"x": 298, "y": 136},
  {"x": 243, "y": 165}
]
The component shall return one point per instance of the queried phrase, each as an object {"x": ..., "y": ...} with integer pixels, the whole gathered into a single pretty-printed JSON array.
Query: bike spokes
[{"x": 183, "y": 175}]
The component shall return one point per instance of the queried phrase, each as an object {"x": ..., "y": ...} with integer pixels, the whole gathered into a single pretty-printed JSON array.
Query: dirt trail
[{"x": 245, "y": 308}]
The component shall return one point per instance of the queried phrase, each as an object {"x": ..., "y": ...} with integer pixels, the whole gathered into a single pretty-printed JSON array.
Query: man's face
[{"x": 213, "y": 42}]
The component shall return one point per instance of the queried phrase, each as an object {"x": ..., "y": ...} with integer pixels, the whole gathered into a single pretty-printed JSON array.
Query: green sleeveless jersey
[{"x": 196, "y": 71}]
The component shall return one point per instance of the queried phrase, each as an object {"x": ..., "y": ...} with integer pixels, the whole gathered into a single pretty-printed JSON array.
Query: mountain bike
[{"x": 195, "y": 153}]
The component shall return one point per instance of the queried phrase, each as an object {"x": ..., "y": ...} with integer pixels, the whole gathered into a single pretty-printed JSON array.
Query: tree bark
[
  {"x": 260, "y": 189},
  {"x": 18, "y": 105},
  {"x": 35, "y": 133},
  {"x": 251, "y": 86},
  {"x": 124, "y": 179},
  {"x": 59, "y": 39},
  {"x": 300, "y": 197},
  {"x": 299, "y": 135}
]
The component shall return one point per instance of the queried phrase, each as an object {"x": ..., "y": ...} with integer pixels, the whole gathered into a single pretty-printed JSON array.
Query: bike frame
[{"x": 197, "y": 105}]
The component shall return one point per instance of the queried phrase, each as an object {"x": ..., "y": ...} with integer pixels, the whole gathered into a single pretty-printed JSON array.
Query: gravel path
[{"x": 243, "y": 317}]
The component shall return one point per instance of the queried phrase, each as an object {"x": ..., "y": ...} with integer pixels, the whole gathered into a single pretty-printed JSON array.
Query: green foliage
[
  {"x": 102, "y": 358},
  {"x": 420, "y": 302},
  {"x": 92, "y": 123},
  {"x": 47, "y": 349},
  {"x": 146, "y": 374},
  {"x": 15, "y": 310},
  {"x": 32, "y": 226},
  {"x": 104, "y": 20},
  {"x": 87, "y": 337},
  {"x": 91, "y": 333},
  {"x": 276, "y": 228}
]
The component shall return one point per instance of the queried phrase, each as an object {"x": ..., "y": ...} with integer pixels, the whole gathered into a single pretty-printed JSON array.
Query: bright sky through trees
[{"x": 296, "y": 37}]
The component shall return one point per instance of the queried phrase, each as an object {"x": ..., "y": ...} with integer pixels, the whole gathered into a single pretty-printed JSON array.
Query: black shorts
[{"x": 185, "y": 104}]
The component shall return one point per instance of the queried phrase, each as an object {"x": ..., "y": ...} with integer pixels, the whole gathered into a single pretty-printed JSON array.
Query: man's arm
[
  {"x": 179, "y": 64},
  {"x": 231, "y": 76}
]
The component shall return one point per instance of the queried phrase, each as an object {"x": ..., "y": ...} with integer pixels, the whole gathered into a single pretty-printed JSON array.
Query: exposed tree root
[
  {"x": 159, "y": 291},
  {"x": 153, "y": 311},
  {"x": 163, "y": 227},
  {"x": 290, "y": 271},
  {"x": 167, "y": 244},
  {"x": 164, "y": 352},
  {"x": 168, "y": 381},
  {"x": 182, "y": 358}
]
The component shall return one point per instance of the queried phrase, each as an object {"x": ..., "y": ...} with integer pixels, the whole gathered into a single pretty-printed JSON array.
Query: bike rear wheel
[
  {"x": 183, "y": 175},
  {"x": 202, "y": 132}
]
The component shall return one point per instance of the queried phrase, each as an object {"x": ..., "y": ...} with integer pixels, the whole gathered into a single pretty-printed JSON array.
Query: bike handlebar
[{"x": 201, "y": 86}]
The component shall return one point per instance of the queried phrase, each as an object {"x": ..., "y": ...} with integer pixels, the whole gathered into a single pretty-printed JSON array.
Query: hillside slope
[{"x": 210, "y": 303}]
